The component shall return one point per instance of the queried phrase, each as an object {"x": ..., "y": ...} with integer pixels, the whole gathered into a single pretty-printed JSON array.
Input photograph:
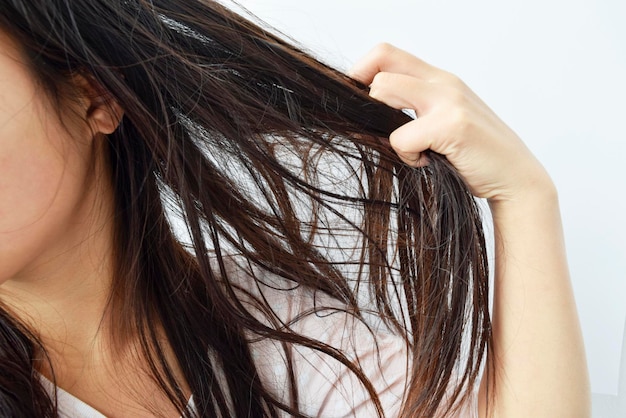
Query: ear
[
  {"x": 101, "y": 111},
  {"x": 104, "y": 115}
]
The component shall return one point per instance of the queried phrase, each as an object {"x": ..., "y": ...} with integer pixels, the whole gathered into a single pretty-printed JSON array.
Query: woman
[{"x": 293, "y": 295}]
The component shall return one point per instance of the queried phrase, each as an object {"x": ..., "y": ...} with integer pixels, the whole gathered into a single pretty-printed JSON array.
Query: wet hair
[{"x": 247, "y": 136}]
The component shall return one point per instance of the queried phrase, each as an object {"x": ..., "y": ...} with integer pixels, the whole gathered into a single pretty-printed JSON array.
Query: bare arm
[
  {"x": 540, "y": 360},
  {"x": 540, "y": 364}
]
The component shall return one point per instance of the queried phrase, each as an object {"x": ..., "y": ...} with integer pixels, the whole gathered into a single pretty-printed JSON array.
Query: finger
[
  {"x": 404, "y": 92},
  {"x": 387, "y": 58},
  {"x": 410, "y": 141}
]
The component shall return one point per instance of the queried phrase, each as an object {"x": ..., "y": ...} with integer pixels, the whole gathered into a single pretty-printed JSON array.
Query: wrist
[{"x": 540, "y": 195}]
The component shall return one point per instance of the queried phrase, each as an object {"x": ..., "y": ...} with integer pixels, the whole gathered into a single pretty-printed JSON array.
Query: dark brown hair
[{"x": 232, "y": 126}]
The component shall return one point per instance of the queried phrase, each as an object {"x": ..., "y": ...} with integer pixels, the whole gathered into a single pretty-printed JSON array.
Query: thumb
[{"x": 410, "y": 141}]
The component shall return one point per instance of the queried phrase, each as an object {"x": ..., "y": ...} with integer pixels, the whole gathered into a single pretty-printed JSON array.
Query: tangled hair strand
[{"x": 232, "y": 126}]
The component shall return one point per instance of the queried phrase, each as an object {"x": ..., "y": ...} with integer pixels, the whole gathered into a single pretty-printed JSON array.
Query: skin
[
  {"x": 56, "y": 233},
  {"x": 540, "y": 361},
  {"x": 53, "y": 214}
]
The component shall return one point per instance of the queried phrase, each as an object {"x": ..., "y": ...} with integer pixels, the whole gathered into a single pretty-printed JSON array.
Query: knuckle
[
  {"x": 453, "y": 81},
  {"x": 379, "y": 84},
  {"x": 381, "y": 78},
  {"x": 384, "y": 49}
]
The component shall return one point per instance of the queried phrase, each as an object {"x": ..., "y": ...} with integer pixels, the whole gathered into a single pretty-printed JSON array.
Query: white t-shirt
[{"x": 326, "y": 387}]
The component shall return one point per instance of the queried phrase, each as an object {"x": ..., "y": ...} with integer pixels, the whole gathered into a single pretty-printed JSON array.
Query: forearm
[{"x": 539, "y": 355}]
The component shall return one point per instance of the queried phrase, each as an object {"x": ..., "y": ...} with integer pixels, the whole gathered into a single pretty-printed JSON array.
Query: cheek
[
  {"x": 41, "y": 175},
  {"x": 27, "y": 186}
]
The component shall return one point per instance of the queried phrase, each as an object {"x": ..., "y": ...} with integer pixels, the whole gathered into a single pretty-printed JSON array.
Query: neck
[{"x": 62, "y": 296}]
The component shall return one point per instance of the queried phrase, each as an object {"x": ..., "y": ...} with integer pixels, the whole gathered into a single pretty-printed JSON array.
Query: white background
[{"x": 553, "y": 70}]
